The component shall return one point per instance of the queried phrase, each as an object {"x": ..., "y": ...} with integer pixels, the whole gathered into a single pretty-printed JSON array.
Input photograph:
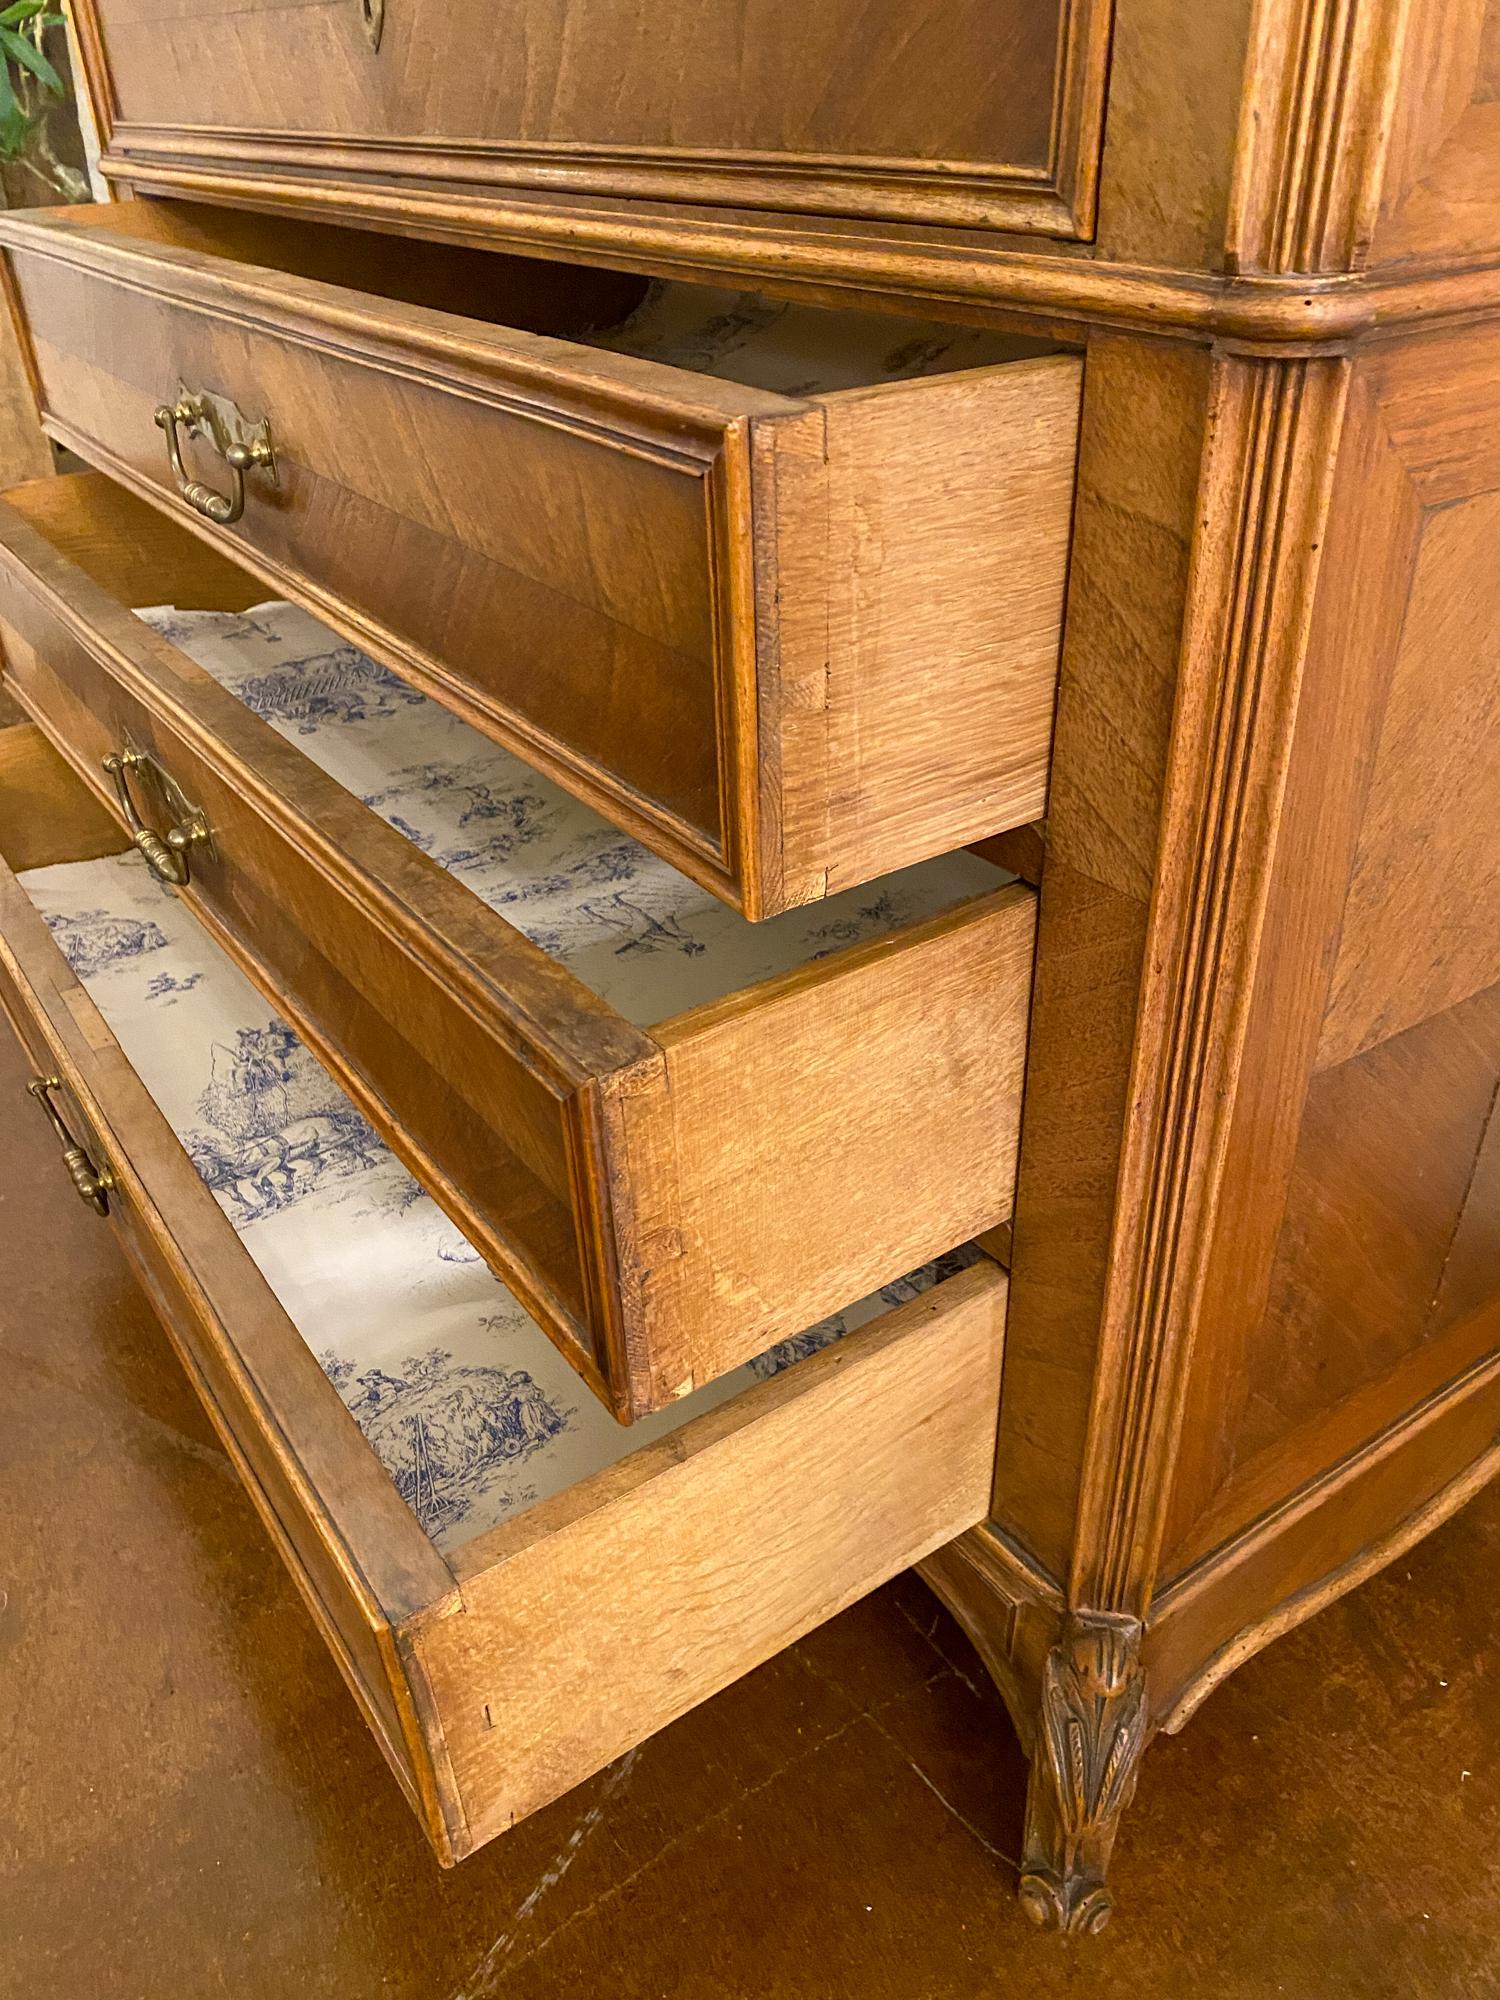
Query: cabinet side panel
[
  {"x": 1441, "y": 198},
  {"x": 1361, "y": 1223}
]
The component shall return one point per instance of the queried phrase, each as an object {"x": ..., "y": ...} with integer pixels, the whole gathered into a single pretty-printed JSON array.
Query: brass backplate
[
  {"x": 163, "y": 800},
  {"x": 203, "y": 414}
]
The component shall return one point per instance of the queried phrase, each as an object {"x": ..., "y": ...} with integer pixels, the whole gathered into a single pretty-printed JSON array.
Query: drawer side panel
[
  {"x": 602, "y": 1616},
  {"x": 821, "y": 1135}
]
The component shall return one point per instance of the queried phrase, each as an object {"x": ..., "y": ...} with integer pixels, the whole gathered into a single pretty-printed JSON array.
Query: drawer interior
[
  {"x": 466, "y": 1402},
  {"x": 652, "y": 943},
  {"x": 675, "y": 1135},
  {"x": 782, "y": 347}
]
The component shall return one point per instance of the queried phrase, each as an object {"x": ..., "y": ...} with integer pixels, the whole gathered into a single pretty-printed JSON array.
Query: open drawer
[
  {"x": 687, "y": 1139},
  {"x": 512, "y": 1645},
  {"x": 778, "y": 590}
]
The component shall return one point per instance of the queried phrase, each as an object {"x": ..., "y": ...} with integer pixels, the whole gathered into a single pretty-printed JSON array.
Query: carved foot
[
  {"x": 1081, "y": 1908},
  {"x": 1089, "y": 1741}
]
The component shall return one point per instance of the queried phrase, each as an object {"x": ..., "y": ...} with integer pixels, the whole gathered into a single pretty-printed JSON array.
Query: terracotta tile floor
[{"x": 190, "y": 1807}]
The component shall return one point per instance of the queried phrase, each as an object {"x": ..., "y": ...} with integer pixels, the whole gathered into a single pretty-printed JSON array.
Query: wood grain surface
[
  {"x": 640, "y": 1191},
  {"x": 736, "y": 622},
  {"x": 605, "y": 1613},
  {"x": 764, "y": 112}
]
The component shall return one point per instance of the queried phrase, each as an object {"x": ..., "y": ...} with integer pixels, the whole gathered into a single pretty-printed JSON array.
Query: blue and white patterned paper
[
  {"x": 472, "y": 1411},
  {"x": 634, "y": 929}
]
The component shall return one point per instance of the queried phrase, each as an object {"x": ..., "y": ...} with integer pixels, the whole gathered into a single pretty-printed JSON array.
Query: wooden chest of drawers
[{"x": 819, "y": 451}]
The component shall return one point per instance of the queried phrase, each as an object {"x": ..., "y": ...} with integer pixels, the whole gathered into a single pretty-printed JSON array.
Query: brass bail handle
[
  {"x": 224, "y": 509},
  {"x": 166, "y": 855},
  {"x": 92, "y": 1184}
]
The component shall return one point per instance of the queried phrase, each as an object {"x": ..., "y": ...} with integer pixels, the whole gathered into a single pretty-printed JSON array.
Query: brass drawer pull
[
  {"x": 167, "y": 855},
  {"x": 240, "y": 444},
  {"x": 372, "y": 14},
  {"x": 92, "y": 1184}
]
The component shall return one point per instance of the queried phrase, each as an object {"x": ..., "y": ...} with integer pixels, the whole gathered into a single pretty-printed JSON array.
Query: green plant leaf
[
  {"x": 18, "y": 49},
  {"x": 15, "y": 133},
  {"x": 8, "y": 104},
  {"x": 21, "y": 10}
]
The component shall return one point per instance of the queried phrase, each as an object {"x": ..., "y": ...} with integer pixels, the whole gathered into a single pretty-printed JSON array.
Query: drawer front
[
  {"x": 309, "y": 891},
  {"x": 501, "y": 1677},
  {"x": 976, "y": 115},
  {"x": 262, "y": 1388},
  {"x": 750, "y": 629},
  {"x": 666, "y": 1203},
  {"x": 550, "y": 576}
]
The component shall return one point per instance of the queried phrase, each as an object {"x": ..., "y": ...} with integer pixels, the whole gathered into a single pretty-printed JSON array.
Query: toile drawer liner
[
  {"x": 676, "y": 1136},
  {"x": 469, "y": 1407},
  {"x": 516, "y": 1591}
]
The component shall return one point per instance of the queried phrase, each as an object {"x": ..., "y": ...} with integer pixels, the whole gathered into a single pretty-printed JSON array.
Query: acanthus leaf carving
[{"x": 1092, "y": 1732}]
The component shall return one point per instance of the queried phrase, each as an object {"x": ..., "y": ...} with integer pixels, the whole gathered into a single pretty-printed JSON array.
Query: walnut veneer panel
[
  {"x": 738, "y": 623},
  {"x": 972, "y": 112},
  {"x": 1378, "y": 1222},
  {"x": 1441, "y": 199}
]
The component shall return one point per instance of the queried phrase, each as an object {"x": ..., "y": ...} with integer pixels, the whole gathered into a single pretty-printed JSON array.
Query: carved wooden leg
[{"x": 1089, "y": 1739}]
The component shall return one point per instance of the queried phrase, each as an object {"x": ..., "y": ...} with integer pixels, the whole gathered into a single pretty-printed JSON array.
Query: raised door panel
[
  {"x": 1355, "y": 1274},
  {"x": 979, "y": 112}
]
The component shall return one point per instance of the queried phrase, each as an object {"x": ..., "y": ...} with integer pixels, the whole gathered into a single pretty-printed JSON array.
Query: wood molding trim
[
  {"x": 1320, "y": 85},
  {"x": 1270, "y": 314},
  {"x": 1454, "y": 1429},
  {"x": 1266, "y": 482}
]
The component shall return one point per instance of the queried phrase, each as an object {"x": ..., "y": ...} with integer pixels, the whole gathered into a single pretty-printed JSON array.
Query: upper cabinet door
[{"x": 972, "y": 113}]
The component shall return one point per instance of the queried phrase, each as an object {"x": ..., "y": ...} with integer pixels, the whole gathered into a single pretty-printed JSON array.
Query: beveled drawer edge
[
  {"x": 1028, "y": 198},
  {"x": 669, "y": 414}
]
